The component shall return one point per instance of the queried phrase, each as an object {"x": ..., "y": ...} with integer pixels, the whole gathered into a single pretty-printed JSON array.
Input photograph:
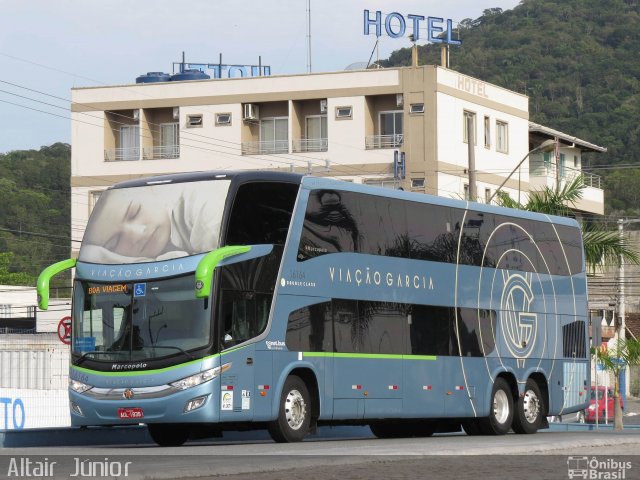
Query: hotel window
[
  {"x": 169, "y": 141},
  {"x": 194, "y": 121},
  {"x": 344, "y": 112},
  {"x": 502, "y": 137},
  {"x": 315, "y": 133},
  {"x": 466, "y": 191},
  {"x": 391, "y": 129},
  {"x": 487, "y": 132},
  {"x": 416, "y": 108},
  {"x": 223, "y": 119},
  {"x": 417, "y": 183},
  {"x": 129, "y": 143},
  {"x": 465, "y": 116},
  {"x": 487, "y": 195},
  {"x": 274, "y": 135}
]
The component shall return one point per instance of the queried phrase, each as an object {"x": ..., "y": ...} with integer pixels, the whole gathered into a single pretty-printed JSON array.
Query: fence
[{"x": 33, "y": 381}]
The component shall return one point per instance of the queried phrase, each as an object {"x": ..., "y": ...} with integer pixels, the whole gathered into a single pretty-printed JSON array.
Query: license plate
[{"x": 127, "y": 413}]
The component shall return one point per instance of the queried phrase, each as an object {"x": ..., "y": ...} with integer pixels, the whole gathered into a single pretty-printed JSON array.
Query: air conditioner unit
[
  {"x": 251, "y": 112},
  {"x": 136, "y": 115},
  {"x": 399, "y": 100},
  {"x": 176, "y": 113},
  {"x": 323, "y": 105}
]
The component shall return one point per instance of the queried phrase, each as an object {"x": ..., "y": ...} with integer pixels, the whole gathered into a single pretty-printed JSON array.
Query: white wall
[{"x": 33, "y": 381}]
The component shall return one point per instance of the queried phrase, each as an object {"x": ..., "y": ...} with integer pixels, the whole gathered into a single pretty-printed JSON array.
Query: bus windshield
[{"x": 135, "y": 321}]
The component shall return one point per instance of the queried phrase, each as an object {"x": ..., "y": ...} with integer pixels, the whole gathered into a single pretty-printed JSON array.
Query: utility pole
[{"x": 621, "y": 300}]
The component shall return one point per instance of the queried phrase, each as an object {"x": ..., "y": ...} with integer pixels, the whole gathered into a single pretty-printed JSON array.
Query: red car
[{"x": 604, "y": 407}]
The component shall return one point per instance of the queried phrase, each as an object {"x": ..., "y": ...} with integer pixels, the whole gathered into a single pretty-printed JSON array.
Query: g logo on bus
[
  {"x": 128, "y": 394},
  {"x": 519, "y": 324}
]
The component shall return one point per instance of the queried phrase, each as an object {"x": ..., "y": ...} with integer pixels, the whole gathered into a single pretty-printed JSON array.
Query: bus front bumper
[{"x": 150, "y": 405}]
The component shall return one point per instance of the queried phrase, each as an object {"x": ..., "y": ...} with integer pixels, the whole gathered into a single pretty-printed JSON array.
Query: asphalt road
[{"x": 546, "y": 455}]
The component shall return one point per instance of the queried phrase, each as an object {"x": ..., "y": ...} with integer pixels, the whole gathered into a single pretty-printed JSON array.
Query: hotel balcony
[
  {"x": 383, "y": 141},
  {"x": 161, "y": 152},
  {"x": 268, "y": 147},
  {"x": 310, "y": 145},
  {"x": 543, "y": 174}
]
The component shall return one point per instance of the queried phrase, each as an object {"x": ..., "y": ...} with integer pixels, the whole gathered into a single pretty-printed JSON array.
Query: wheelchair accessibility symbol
[{"x": 139, "y": 289}]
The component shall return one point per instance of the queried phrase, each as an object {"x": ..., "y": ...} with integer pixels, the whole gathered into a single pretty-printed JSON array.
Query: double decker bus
[{"x": 206, "y": 302}]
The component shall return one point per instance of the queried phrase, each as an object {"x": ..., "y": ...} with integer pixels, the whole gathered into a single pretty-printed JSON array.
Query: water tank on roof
[
  {"x": 152, "y": 77},
  {"x": 190, "y": 74}
]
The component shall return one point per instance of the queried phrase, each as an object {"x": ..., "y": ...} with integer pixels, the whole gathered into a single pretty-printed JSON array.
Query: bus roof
[{"x": 242, "y": 176}]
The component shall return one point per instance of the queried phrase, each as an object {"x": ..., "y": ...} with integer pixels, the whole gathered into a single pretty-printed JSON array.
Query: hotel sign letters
[{"x": 395, "y": 25}]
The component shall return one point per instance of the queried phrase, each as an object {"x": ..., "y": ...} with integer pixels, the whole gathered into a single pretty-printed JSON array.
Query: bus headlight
[
  {"x": 78, "y": 387},
  {"x": 200, "y": 378}
]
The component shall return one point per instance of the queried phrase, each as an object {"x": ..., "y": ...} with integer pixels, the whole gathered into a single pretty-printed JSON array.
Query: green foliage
[
  {"x": 35, "y": 198},
  {"x": 577, "y": 60}
]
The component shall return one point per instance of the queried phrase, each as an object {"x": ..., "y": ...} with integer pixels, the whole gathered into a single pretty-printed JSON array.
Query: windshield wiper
[
  {"x": 174, "y": 348},
  {"x": 86, "y": 355}
]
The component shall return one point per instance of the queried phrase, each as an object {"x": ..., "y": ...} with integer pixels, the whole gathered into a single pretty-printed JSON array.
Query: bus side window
[{"x": 244, "y": 315}]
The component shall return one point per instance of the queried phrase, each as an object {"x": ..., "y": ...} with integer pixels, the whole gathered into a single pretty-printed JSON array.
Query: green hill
[
  {"x": 578, "y": 61},
  {"x": 35, "y": 214}
]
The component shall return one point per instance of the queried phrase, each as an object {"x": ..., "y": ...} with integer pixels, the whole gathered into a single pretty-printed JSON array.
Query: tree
[
  {"x": 601, "y": 247},
  {"x": 615, "y": 359}
]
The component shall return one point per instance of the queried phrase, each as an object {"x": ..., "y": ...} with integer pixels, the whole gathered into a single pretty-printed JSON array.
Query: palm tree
[
  {"x": 616, "y": 359},
  {"x": 601, "y": 247}
]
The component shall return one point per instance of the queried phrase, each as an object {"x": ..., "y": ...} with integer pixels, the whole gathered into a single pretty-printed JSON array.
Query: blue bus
[{"x": 215, "y": 301}]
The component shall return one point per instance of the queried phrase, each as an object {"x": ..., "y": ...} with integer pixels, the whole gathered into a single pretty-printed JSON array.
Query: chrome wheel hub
[
  {"x": 531, "y": 405},
  {"x": 295, "y": 409},
  {"x": 501, "y": 406}
]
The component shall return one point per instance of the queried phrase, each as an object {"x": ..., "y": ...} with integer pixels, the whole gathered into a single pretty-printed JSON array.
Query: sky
[{"x": 49, "y": 47}]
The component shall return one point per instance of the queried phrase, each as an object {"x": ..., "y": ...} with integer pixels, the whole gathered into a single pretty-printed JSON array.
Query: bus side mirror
[
  {"x": 204, "y": 271},
  {"x": 42, "y": 286}
]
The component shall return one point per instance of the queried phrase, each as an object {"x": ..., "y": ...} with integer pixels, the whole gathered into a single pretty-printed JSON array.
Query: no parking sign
[{"x": 64, "y": 330}]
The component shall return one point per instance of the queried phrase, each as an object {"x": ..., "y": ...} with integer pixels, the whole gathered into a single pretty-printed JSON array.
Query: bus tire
[
  {"x": 529, "y": 409},
  {"x": 169, "y": 435},
  {"x": 294, "y": 412},
  {"x": 501, "y": 410},
  {"x": 472, "y": 427}
]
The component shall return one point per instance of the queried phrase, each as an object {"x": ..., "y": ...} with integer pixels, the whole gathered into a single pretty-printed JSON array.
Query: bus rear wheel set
[{"x": 523, "y": 415}]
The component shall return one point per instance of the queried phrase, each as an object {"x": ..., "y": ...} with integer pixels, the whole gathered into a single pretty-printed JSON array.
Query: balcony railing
[
  {"x": 268, "y": 147},
  {"x": 566, "y": 173},
  {"x": 122, "y": 154},
  {"x": 162, "y": 152},
  {"x": 310, "y": 145},
  {"x": 383, "y": 141}
]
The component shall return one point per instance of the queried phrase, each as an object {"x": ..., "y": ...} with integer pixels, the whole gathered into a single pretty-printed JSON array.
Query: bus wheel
[
  {"x": 294, "y": 413},
  {"x": 529, "y": 409},
  {"x": 501, "y": 413},
  {"x": 168, "y": 435}
]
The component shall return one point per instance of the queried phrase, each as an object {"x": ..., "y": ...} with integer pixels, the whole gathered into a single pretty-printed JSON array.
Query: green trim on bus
[
  {"x": 141, "y": 372},
  {"x": 384, "y": 356},
  {"x": 159, "y": 370},
  {"x": 46, "y": 276},
  {"x": 204, "y": 271}
]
